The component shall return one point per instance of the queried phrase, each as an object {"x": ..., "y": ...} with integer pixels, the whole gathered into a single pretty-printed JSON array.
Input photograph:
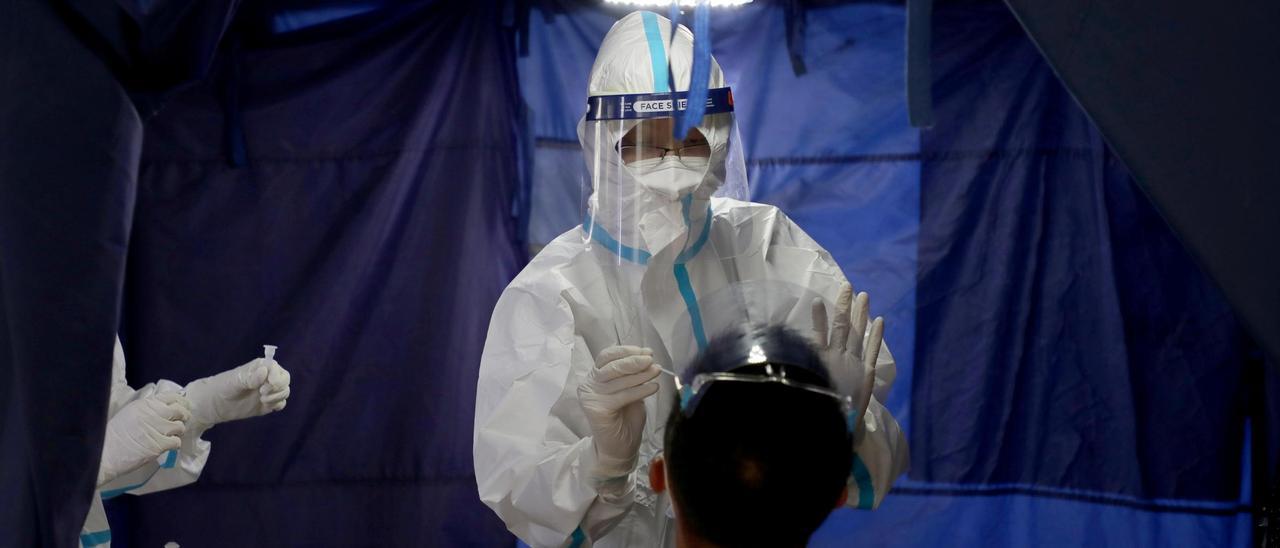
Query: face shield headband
[
  {"x": 640, "y": 106},
  {"x": 765, "y": 371}
]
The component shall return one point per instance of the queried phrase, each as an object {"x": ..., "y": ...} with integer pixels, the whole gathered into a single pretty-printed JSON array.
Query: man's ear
[
  {"x": 658, "y": 475},
  {"x": 844, "y": 493}
]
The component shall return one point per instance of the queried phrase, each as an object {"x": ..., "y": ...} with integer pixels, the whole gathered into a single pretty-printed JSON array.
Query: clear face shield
[
  {"x": 649, "y": 211},
  {"x": 649, "y": 187}
]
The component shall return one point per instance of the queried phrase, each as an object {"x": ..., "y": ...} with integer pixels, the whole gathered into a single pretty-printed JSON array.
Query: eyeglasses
[{"x": 635, "y": 153}]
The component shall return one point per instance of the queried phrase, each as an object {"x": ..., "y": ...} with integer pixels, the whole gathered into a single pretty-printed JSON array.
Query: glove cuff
[
  {"x": 616, "y": 490},
  {"x": 201, "y": 393},
  {"x": 612, "y": 483},
  {"x": 602, "y": 468}
]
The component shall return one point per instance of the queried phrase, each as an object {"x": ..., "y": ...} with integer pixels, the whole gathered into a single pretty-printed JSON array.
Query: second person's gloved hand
[
  {"x": 142, "y": 431},
  {"x": 612, "y": 398},
  {"x": 253, "y": 389},
  {"x": 851, "y": 346}
]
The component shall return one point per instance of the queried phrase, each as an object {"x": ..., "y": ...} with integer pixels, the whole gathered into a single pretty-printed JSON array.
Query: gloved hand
[
  {"x": 253, "y": 389},
  {"x": 612, "y": 398},
  {"x": 141, "y": 431},
  {"x": 853, "y": 347}
]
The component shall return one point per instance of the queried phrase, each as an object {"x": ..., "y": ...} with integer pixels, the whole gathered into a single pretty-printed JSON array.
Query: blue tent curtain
[
  {"x": 76, "y": 81},
  {"x": 1182, "y": 94},
  {"x": 368, "y": 234},
  {"x": 1071, "y": 357}
]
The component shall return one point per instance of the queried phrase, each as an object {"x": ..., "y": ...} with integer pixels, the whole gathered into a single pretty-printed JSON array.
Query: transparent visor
[
  {"x": 650, "y": 202},
  {"x": 648, "y": 188},
  {"x": 691, "y": 394}
]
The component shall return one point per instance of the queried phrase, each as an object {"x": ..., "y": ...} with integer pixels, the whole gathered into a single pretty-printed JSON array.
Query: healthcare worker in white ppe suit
[
  {"x": 153, "y": 438},
  {"x": 571, "y": 400}
]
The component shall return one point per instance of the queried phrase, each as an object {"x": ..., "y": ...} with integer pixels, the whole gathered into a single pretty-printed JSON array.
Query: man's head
[{"x": 756, "y": 463}]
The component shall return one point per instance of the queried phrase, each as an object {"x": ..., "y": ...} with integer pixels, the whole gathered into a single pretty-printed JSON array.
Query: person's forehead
[
  {"x": 654, "y": 126},
  {"x": 660, "y": 130}
]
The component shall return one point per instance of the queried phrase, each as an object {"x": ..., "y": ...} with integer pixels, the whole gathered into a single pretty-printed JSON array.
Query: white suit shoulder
[{"x": 766, "y": 221}]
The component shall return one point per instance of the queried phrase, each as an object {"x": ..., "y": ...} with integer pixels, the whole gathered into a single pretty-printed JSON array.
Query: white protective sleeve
[
  {"x": 176, "y": 468},
  {"x": 173, "y": 469},
  {"x": 533, "y": 457}
]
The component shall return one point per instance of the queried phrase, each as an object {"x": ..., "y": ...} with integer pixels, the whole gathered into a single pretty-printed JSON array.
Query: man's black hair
[{"x": 758, "y": 464}]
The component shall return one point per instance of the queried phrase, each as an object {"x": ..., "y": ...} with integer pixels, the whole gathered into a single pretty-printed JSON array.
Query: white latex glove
[
  {"x": 853, "y": 347},
  {"x": 253, "y": 389},
  {"x": 141, "y": 431},
  {"x": 612, "y": 398}
]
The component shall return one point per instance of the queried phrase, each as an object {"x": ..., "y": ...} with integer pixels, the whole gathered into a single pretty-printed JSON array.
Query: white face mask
[{"x": 669, "y": 177}]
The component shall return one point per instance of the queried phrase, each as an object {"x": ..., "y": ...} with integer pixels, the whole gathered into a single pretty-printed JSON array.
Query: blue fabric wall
[
  {"x": 65, "y": 202},
  {"x": 1101, "y": 346},
  {"x": 1067, "y": 375},
  {"x": 1099, "y": 372},
  {"x": 76, "y": 81},
  {"x": 368, "y": 234}
]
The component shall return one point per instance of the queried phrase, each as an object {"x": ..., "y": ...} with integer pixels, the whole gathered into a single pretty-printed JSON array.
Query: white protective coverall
[
  {"x": 632, "y": 275},
  {"x": 177, "y": 469}
]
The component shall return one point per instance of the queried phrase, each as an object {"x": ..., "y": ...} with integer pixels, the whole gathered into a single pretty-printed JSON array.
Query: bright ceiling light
[{"x": 683, "y": 3}]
